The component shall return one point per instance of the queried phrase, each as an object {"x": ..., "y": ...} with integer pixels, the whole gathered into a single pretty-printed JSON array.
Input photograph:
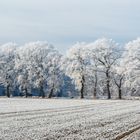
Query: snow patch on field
[{"x": 23, "y": 104}]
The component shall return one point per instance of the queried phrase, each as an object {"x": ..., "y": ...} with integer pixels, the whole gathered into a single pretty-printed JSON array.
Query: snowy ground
[{"x": 61, "y": 119}]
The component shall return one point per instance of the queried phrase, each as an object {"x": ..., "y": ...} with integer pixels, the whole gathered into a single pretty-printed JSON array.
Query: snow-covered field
[{"x": 61, "y": 119}]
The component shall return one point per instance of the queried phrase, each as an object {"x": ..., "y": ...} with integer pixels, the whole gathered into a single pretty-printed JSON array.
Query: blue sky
[{"x": 65, "y": 22}]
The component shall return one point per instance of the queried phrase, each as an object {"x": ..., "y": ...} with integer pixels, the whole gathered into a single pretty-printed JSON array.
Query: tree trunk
[
  {"x": 42, "y": 92},
  {"x": 108, "y": 84},
  {"x": 82, "y": 88},
  {"x": 51, "y": 92},
  {"x": 119, "y": 85},
  {"x": 95, "y": 87},
  {"x": 120, "y": 93},
  {"x": 26, "y": 93},
  {"x": 8, "y": 91},
  {"x": 95, "y": 93},
  {"x": 108, "y": 89}
]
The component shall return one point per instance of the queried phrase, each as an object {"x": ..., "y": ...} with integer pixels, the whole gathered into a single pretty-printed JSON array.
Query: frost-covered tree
[
  {"x": 55, "y": 77},
  {"x": 105, "y": 54},
  {"x": 131, "y": 61},
  {"x": 24, "y": 84},
  {"x": 7, "y": 63},
  {"x": 93, "y": 72},
  {"x": 40, "y": 62},
  {"x": 76, "y": 64},
  {"x": 119, "y": 77}
]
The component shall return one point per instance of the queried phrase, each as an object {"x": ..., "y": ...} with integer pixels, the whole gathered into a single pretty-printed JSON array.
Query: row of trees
[{"x": 98, "y": 69}]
